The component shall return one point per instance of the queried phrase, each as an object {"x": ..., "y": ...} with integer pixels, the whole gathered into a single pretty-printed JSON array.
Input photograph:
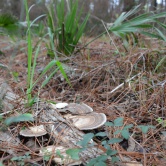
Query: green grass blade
[
  {"x": 81, "y": 30},
  {"x": 51, "y": 37},
  {"x": 160, "y": 63},
  {"x": 46, "y": 69},
  {"x": 29, "y": 51},
  {"x": 32, "y": 23},
  {"x": 152, "y": 35},
  {"x": 58, "y": 63},
  {"x": 161, "y": 34},
  {"x": 34, "y": 64},
  {"x": 71, "y": 19},
  {"x": 45, "y": 82}
]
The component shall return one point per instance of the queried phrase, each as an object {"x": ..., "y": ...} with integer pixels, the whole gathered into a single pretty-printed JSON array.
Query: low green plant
[
  {"x": 20, "y": 118},
  {"x": 120, "y": 128},
  {"x": 8, "y": 24},
  {"x": 124, "y": 27},
  {"x": 163, "y": 37},
  {"x": 20, "y": 159},
  {"x": 118, "y": 123},
  {"x": 74, "y": 153},
  {"x": 68, "y": 30},
  {"x": 161, "y": 121},
  {"x": 101, "y": 160},
  {"x": 145, "y": 128},
  {"x": 47, "y": 156},
  {"x": 1, "y": 164}
]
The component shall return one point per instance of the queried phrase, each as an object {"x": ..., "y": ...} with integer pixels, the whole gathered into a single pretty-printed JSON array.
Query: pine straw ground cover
[{"x": 119, "y": 85}]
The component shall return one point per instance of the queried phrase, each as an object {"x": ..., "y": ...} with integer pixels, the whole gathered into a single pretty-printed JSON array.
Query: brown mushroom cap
[
  {"x": 87, "y": 122},
  {"x": 75, "y": 108},
  {"x": 52, "y": 150},
  {"x": 34, "y": 131}
]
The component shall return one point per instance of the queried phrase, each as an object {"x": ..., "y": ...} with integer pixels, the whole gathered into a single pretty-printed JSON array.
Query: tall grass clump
[
  {"x": 54, "y": 65},
  {"x": 8, "y": 24},
  {"x": 65, "y": 25}
]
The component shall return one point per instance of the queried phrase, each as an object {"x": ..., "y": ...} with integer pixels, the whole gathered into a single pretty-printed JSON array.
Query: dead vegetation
[{"x": 119, "y": 85}]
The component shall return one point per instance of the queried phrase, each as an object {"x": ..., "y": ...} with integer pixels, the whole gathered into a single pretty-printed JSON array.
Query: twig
[{"x": 128, "y": 80}]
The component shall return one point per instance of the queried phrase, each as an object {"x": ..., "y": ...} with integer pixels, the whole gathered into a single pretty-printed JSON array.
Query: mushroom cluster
[{"x": 81, "y": 115}]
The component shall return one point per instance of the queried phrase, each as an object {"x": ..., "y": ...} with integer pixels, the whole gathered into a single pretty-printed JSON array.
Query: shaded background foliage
[{"x": 106, "y": 10}]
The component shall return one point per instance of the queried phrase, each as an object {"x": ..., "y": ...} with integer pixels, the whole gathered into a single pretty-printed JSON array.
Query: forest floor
[{"x": 106, "y": 77}]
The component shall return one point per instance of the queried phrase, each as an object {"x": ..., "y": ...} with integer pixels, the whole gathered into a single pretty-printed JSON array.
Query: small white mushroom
[
  {"x": 34, "y": 131},
  {"x": 59, "y": 105},
  {"x": 87, "y": 122},
  {"x": 52, "y": 151}
]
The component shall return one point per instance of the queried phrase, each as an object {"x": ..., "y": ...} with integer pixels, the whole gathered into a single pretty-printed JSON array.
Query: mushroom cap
[
  {"x": 75, "y": 108},
  {"x": 52, "y": 150},
  {"x": 58, "y": 105},
  {"x": 87, "y": 122},
  {"x": 34, "y": 131}
]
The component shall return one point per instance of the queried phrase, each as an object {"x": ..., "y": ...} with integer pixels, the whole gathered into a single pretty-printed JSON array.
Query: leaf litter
[{"x": 101, "y": 80}]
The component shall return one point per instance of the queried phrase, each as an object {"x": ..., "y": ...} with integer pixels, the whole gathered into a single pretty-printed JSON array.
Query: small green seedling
[{"x": 20, "y": 159}]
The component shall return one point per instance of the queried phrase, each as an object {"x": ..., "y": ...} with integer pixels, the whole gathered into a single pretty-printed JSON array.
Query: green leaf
[
  {"x": 114, "y": 159},
  {"x": 118, "y": 122},
  {"x": 161, "y": 34},
  {"x": 145, "y": 129},
  {"x": 58, "y": 152},
  {"x": 34, "y": 65},
  {"x": 14, "y": 158},
  {"x": 63, "y": 72},
  {"x": 114, "y": 140},
  {"x": 125, "y": 133},
  {"x": 102, "y": 158},
  {"x": 107, "y": 146},
  {"x": 1, "y": 117},
  {"x": 104, "y": 142},
  {"x": 128, "y": 126},
  {"x": 111, "y": 152},
  {"x": 1, "y": 164},
  {"x": 20, "y": 118},
  {"x": 74, "y": 153},
  {"x": 49, "y": 66},
  {"x": 92, "y": 162},
  {"x": 101, "y": 134},
  {"x": 86, "y": 139},
  {"x": 100, "y": 163},
  {"x": 117, "y": 132},
  {"x": 109, "y": 124},
  {"x": 45, "y": 82},
  {"x": 46, "y": 157}
]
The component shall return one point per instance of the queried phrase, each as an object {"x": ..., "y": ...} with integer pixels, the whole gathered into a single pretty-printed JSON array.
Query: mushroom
[
  {"x": 63, "y": 159},
  {"x": 34, "y": 131},
  {"x": 87, "y": 122},
  {"x": 75, "y": 108},
  {"x": 58, "y": 105}
]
